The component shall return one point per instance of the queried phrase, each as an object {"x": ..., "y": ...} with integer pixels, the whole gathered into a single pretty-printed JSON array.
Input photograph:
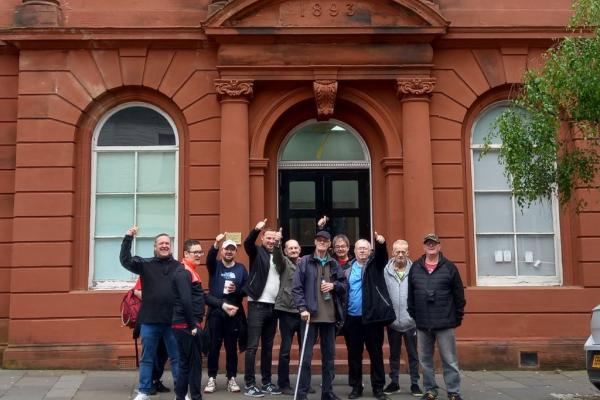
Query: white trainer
[
  {"x": 211, "y": 386},
  {"x": 232, "y": 385},
  {"x": 142, "y": 396}
]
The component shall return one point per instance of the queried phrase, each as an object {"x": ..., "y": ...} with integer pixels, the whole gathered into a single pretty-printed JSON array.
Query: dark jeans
[
  {"x": 359, "y": 335},
  {"x": 262, "y": 324},
  {"x": 289, "y": 324},
  {"x": 326, "y": 332},
  {"x": 190, "y": 364},
  {"x": 159, "y": 362},
  {"x": 151, "y": 334},
  {"x": 410, "y": 343},
  {"x": 223, "y": 329}
]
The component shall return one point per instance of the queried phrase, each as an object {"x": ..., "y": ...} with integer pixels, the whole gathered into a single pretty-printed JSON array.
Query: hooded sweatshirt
[{"x": 398, "y": 290}]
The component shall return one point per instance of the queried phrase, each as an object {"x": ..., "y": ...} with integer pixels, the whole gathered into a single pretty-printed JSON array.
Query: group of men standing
[{"x": 320, "y": 295}]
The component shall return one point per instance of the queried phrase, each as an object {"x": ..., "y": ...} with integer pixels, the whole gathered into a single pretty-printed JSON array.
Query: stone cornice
[{"x": 393, "y": 165}]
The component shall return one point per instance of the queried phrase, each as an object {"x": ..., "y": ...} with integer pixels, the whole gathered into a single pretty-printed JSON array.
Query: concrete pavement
[{"x": 121, "y": 385}]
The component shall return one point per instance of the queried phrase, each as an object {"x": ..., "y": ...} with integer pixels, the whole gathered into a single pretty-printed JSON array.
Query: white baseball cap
[{"x": 228, "y": 243}]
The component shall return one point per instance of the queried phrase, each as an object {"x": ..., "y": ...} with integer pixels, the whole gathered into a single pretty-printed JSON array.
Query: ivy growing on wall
[{"x": 556, "y": 148}]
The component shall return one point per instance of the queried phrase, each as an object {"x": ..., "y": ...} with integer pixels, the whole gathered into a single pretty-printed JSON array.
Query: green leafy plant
[{"x": 553, "y": 147}]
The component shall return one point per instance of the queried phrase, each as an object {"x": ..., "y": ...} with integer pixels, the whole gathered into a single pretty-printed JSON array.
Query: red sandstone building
[{"x": 195, "y": 118}]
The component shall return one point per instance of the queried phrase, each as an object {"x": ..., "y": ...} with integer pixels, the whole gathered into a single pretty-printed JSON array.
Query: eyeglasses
[
  {"x": 340, "y": 246},
  {"x": 197, "y": 252}
]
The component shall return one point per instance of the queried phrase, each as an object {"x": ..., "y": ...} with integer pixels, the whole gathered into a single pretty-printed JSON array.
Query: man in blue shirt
[{"x": 369, "y": 311}]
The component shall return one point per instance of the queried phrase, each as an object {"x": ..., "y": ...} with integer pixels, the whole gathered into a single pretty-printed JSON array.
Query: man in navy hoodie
[{"x": 156, "y": 311}]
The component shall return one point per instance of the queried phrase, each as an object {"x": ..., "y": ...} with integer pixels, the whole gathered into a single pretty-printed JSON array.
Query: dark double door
[{"x": 307, "y": 195}]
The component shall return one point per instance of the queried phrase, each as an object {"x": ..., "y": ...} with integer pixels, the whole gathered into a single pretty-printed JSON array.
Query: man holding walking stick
[{"x": 318, "y": 290}]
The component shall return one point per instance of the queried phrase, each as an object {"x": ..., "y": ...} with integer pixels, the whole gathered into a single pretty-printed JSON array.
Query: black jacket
[
  {"x": 157, "y": 275},
  {"x": 435, "y": 301},
  {"x": 188, "y": 306},
  {"x": 376, "y": 304},
  {"x": 305, "y": 290},
  {"x": 259, "y": 266}
]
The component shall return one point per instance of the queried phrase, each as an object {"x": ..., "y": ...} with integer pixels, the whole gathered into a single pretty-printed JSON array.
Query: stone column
[
  {"x": 392, "y": 167},
  {"x": 418, "y": 173},
  {"x": 234, "y": 96}
]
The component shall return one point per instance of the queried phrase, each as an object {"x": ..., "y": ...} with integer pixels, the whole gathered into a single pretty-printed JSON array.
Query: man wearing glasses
[
  {"x": 369, "y": 311},
  {"x": 436, "y": 301}
]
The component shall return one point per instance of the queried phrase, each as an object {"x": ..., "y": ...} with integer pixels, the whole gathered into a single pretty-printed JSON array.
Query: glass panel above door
[{"x": 323, "y": 141}]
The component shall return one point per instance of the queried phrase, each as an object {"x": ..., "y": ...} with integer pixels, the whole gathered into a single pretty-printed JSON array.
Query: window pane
[
  {"x": 488, "y": 173},
  {"x": 493, "y": 212},
  {"x": 144, "y": 247},
  {"x": 156, "y": 214},
  {"x": 483, "y": 126},
  {"x": 487, "y": 248},
  {"x": 302, "y": 195},
  {"x": 136, "y": 126},
  {"x": 303, "y": 230},
  {"x": 106, "y": 261},
  {"x": 344, "y": 194},
  {"x": 348, "y": 226},
  {"x": 156, "y": 172},
  {"x": 323, "y": 141},
  {"x": 536, "y": 218},
  {"x": 114, "y": 215},
  {"x": 115, "y": 172},
  {"x": 536, "y": 255}
]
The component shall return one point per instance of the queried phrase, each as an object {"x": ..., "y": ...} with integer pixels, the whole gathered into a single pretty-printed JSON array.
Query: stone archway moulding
[{"x": 268, "y": 117}]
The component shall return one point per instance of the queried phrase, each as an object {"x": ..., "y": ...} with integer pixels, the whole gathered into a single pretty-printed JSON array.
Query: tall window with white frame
[
  {"x": 134, "y": 182},
  {"x": 513, "y": 245}
]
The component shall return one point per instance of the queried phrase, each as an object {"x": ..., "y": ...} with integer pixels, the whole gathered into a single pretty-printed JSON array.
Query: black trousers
[
  {"x": 262, "y": 324},
  {"x": 410, "y": 344},
  {"x": 223, "y": 329},
  {"x": 326, "y": 332},
  {"x": 190, "y": 364},
  {"x": 289, "y": 324},
  {"x": 359, "y": 335}
]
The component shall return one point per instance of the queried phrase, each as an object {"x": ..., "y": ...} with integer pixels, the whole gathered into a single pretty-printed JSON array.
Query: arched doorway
[{"x": 324, "y": 169}]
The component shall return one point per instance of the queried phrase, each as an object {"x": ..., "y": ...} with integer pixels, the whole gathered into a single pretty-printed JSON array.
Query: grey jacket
[
  {"x": 398, "y": 294},
  {"x": 284, "y": 301}
]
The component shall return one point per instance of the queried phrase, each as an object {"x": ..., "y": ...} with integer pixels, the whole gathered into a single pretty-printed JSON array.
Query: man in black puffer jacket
[{"x": 436, "y": 301}]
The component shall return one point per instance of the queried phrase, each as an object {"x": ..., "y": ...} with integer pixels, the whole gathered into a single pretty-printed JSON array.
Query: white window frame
[
  {"x": 115, "y": 284},
  {"x": 517, "y": 280}
]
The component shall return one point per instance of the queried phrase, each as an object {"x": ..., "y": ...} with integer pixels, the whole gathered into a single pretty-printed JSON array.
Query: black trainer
[
  {"x": 392, "y": 388},
  {"x": 415, "y": 390},
  {"x": 380, "y": 395},
  {"x": 160, "y": 388},
  {"x": 355, "y": 393}
]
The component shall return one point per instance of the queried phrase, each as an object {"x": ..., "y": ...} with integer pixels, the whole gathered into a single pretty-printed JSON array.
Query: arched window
[
  {"x": 513, "y": 245},
  {"x": 134, "y": 182}
]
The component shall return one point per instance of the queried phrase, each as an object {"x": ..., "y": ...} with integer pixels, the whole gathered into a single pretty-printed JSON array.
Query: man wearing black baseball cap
[
  {"x": 436, "y": 301},
  {"x": 318, "y": 290}
]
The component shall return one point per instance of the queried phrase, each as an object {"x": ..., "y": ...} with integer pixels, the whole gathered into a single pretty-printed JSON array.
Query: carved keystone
[
  {"x": 37, "y": 13},
  {"x": 325, "y": 93}
]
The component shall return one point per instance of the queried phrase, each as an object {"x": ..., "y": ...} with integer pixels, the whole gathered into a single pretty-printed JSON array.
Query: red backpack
[{"x": 130, "y": 307}]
